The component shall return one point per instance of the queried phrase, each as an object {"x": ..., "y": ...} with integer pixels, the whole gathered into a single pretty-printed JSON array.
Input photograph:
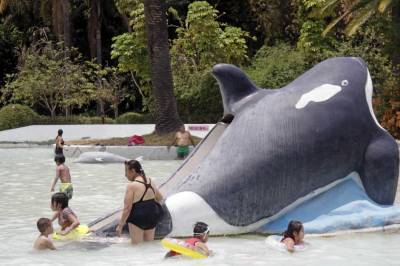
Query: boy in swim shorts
[
  {"x": 43, "y": 241},
  {"x": 198, "y": 241},
  {"x": 62, "y": 173},
  {"x": 182, "y": 139}
]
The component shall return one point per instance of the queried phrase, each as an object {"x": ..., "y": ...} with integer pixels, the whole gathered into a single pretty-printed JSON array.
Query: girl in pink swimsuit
[
  {"x": 294, "y": 235},
  {"x": 66, "y": 217}
]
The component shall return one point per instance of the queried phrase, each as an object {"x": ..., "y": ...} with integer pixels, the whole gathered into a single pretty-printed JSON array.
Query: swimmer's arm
[
  {"x": 75, "y": 224},
  {"x": 289, "y": 243},
  {"x": 55, "y": 215},
  {"x": 127, "y": 208},
  {"x": 50, "y": 245},
  {"x": 158, "y": 196},
  {"x": 174, "y": 142},
  {"x": 58, "y": 175},
  {"x": 191, "y": 139},
  {"x": 203, "y": 248}
]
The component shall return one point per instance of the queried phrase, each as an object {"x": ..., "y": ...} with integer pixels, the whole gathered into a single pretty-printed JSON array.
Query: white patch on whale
[
  {"x": 318, "y": 94},
  {"x": 368, "y": 94},
  {"x": 186, "y": 208}
]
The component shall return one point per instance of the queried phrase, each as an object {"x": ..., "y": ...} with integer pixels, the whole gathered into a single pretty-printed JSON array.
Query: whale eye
[{"x": 345, "y": 82}]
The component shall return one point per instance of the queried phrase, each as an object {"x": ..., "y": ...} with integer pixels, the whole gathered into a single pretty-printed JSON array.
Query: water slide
[{"x": 106, "y": 225}]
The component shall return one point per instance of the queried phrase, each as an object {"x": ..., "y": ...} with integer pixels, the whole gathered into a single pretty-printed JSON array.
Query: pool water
[{"x": 25, "y": 179}]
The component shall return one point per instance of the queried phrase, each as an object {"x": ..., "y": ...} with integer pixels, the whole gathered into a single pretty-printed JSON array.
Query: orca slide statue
[{"x": 283, "y": 147}]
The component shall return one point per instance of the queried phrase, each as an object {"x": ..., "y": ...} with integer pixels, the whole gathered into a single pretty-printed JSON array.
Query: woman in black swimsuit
[
  {"x": 142, "y": 210},
  {"x": 59, "y": 143}
]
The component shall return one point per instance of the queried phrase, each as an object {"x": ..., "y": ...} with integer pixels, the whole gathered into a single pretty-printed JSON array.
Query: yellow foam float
[
  {"x": 80, "y": 231},
  {"x": 182, "y": 247}
]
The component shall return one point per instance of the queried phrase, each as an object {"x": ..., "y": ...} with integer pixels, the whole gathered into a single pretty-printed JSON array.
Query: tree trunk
[
  {"x": 94, "y": 37},
  {"x": 66, "y": 10},
  {"x": 166, "y": 114},
  {"x": 94, "y": 30},
  {"x": 57, "y": 18}
]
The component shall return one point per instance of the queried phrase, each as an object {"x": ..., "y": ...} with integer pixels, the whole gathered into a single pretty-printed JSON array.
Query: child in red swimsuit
[
  {"x": 197, "y": 242},
  {"x": 294, "y": 235}
]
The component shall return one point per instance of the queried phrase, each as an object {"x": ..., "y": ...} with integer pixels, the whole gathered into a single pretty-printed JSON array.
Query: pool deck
[{"x": 46, "y": 133}]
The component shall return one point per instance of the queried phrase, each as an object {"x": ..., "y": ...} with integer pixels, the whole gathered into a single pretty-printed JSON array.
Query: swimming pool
[{"x": 25, "y": 178}]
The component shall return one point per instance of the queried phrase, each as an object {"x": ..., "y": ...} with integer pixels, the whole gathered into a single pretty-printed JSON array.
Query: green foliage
[
  {"x": 203, "y": 105},
  {"x": 130, "y": 49},
  {"x": 50, "y": 78},
  {"x": 311, "y": 40},
  {"x": 109, "y": 87},
  {"x": 201, "y": 43},
  {"x": 356, "y": 12},
  {"x": 276, "y": 66},
  {"x": 274, "y": 17},
  {"x": 10, "y": 40},
  {"x": 16, "y": 115},
  {"x": 135, "y": 118},
  {"x": 72, "y": 120}
]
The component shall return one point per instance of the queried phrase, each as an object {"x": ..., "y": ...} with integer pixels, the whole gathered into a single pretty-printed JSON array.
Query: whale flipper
[{"x": 380, "y": 169}]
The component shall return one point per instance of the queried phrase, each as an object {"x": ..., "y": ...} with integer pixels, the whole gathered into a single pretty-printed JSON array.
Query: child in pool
[
  {"x": 66, "y": 217},
  {"x": 294, "y": 235},
  {"x": 197, "y": 242},
  {"x": 62, "y": 173},
  {"x": 43, "y": 241}
]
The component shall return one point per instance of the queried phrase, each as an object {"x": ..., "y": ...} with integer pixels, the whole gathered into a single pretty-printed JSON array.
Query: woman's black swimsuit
[
  {"x": 59, "y": 150},
  {"x": 145, "y": 214}
]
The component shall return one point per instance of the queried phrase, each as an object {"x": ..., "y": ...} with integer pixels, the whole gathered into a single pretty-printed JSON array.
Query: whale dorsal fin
[{"x": 234, "y": 85}]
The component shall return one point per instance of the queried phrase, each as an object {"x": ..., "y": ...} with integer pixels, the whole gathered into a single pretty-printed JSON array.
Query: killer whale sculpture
[{"x": 282, "y": 146}]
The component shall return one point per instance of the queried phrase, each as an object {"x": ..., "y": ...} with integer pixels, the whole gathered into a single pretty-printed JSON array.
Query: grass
[{"x": 149, "y": 140}]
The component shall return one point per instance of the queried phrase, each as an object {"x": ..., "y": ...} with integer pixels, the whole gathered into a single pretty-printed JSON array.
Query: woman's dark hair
[
  {"x": 293, "y": 226},
  {"x": 60, "y": 132},
  {"x": 200, "y": 228},
  {"x": 135, "y": 165},
  {"x": 59, "y": 158},
  {"x": 60, "y": 198}
]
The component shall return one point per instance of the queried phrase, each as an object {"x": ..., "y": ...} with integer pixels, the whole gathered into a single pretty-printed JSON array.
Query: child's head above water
[
  {"x": 59, "y": 201},
  {"x": 44, "y": 226},
  {"x": 295, "y": 230},
  {"x": 201, "y": 231},
  {"x": 59, "y": 159}
]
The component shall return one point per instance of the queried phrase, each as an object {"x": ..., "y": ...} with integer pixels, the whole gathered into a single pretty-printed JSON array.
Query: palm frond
[
  {"x": 334, "y": 22},
  {"x": 321, "y": 12},
  {"x": 360, "y": 17},
  {"x": 3, "y": 6},
  {"x": 383, "y": 5}
]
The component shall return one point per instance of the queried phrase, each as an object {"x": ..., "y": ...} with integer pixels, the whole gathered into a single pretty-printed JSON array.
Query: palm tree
[
  {"x": 357, "y": 12},
  {"x": 166, "y": 114},
  {"x": 3, "y": 6}
]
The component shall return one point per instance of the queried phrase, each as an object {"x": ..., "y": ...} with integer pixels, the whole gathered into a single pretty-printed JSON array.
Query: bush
[
  {"x": 135, "y": 118},
  {"x": 276, "y": 66},
  {"x": 16, "y": 115},
  {"x": 203, "y": 105},
  {"x": 72, "y": 120}
]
